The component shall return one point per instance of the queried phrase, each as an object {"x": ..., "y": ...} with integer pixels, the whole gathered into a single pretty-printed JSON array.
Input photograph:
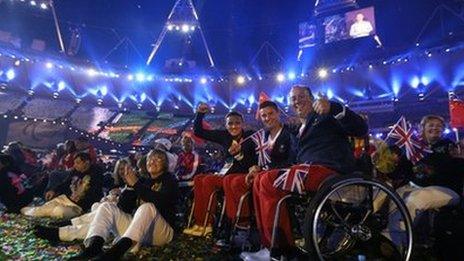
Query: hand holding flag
[{"x": 406, "y": 138}]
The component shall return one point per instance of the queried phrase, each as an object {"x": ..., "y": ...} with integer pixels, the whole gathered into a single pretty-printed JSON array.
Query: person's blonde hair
[
  {"x": 429, "y": 118},
  {"x": 116, "y": 174},
  {"x": 161, "y": 153}
]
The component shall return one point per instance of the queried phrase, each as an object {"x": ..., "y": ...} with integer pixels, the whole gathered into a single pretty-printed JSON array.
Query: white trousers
[
  {"x": 147, "y": 226},
  {"x": 79, "y": 225},
  {"x": 417, "y": 200},
  {"x": 59, "y": 207}
]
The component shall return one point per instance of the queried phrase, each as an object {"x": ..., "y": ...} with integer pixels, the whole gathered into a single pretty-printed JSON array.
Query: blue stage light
[
  {"x": 104, "y": 90},
  {"x": 279, "y": 99},
  {"x": 91, "y": 72},
  {"x": 140, "y": 77},
  {"x": 280, "y": 77},
  {"x": 203, "y": 80},
  {"x": 251, "y": 99},
  {"x": 291, "y": 76},
  {"x": 185, "y": 28},
  {"x": 61, "y": 86},
  {"x": 323, "y": 73},
  {"x": 143, "y": 97},
  {"x": 415, "y": 81},
  {"x": 330, "y": 93},
  {"x": 10, "y": 74},
  {"x": 358, "y": 93},
  {"x": 425, "y": 80},
  {"x": 240, "y": 79}
]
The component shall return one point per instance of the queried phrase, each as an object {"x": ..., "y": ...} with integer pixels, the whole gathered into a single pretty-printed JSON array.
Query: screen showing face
[{"x": 361, "y": 22}]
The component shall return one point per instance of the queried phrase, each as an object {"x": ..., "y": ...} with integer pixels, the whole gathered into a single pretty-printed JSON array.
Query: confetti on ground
[{"x": 18, "y": 242}]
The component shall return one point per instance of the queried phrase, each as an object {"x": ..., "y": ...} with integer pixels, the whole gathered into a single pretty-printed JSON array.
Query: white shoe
[
  {"x": 262, "y": 255},
  {"x": 244, "y": 255}
]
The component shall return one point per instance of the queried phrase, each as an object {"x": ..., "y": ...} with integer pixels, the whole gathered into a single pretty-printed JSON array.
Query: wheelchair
[
  {"x": 351, "y": 214},
  {"x": 351, "y": 217}
]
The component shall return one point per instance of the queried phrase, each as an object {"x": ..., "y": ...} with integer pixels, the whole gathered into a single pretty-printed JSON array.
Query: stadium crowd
[{"x": 147, "y": 199}]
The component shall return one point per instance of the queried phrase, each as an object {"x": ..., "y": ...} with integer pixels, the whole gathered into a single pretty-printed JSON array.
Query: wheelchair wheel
[{"x": 357, "y": 217}]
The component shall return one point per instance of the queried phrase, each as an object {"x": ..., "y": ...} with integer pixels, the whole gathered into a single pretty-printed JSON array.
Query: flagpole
[
  {"x": 392, "y": 129},
  {"x": 247, "y": 138},
  {"x": 458, "y": 143}
]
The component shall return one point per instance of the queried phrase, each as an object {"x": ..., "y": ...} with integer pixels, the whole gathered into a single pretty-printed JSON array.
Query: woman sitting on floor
[
  {"x": 153, "y": 221},
  {"x": 76, "y": 229}
]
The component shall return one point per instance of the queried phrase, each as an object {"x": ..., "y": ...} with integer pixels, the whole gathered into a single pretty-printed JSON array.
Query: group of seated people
[{"x": 140, "y": 207}]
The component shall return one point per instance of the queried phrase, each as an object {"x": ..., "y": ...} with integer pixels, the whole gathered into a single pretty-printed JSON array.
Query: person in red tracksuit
[
  {"x": 188, "y": 164},
  {"x": 276, "y": 151},
  {"x": 234, "y": 140},
  {"x": 323, "y": 150}
]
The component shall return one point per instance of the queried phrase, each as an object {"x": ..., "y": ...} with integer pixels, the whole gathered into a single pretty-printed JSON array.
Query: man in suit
[{"x": 323, "y": 150}]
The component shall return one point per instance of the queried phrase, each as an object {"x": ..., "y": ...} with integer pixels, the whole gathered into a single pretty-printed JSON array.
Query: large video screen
[
  {"x": 36, "y": 134},
  {"x": 307, "y": 33},
  {"x": 125, "y": 126},
  {"x": 90, "y": 119},
  {"x": 351, "y": 25}
]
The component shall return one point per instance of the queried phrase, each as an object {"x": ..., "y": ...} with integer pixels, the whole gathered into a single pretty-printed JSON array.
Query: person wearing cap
[{"x": 166, "y": 145}]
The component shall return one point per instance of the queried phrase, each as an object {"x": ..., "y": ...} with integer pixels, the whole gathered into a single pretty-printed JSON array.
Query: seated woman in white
[
  {"x": 152, "y": 222},
  {"x": 76, "y": 229}
]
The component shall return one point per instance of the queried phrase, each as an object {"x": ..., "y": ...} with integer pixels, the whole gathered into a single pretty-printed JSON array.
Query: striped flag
[
  {"x": 406, "y": 138},
  {"x": 292, "y": 179},
  {"x": 262, "y": 148}
]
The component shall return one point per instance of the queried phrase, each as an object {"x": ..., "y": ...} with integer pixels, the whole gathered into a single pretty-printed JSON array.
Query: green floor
[{"x": 18, "y": 242}]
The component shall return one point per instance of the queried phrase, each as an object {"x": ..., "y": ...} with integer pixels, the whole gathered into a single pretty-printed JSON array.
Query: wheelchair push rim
[{"x": 339, "y": 224}]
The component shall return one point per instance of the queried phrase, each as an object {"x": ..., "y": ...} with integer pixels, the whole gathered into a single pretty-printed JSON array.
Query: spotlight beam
[{"x": 157, "y": 44}]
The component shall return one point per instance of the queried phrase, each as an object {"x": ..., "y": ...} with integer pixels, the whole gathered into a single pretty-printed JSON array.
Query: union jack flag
[
  {"x": 405, "y": 137},
  {"x": 292, "y": 179},
  {"x": 262, "y": 148}
]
